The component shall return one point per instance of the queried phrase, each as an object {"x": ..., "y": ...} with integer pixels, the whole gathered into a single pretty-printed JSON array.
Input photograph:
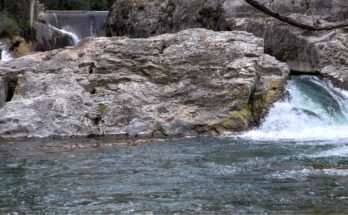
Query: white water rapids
[{"x": 312, "y": 110}]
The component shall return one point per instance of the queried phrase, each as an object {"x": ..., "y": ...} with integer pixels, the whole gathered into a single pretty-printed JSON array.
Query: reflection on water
[{"x": 192, "y": 176}]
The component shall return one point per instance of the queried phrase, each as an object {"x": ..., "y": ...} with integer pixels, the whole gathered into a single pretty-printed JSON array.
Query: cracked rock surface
[{"x": 195, "y": 82}]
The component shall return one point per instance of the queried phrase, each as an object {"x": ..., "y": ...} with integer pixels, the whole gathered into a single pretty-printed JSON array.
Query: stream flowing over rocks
[{"x": 194, "y": 82}]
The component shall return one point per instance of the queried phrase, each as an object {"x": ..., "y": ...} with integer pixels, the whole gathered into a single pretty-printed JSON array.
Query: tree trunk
[{"x": 294, "y": 22}]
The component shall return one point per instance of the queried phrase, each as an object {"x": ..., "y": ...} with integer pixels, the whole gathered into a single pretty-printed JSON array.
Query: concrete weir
[{"x": 82, "y": 23}]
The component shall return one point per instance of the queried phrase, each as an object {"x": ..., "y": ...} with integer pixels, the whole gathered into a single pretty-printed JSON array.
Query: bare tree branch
[{"x": 294, "y": 22}]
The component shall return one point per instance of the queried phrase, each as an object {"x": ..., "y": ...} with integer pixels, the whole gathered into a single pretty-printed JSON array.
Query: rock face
[
  {"x": 332, "y": 51},
  {"x": 144, "y": 18},
  {"x": 335, "y": 10},
  {"x": 191, "y": 83},
  {"x": 323, "y": 52}
]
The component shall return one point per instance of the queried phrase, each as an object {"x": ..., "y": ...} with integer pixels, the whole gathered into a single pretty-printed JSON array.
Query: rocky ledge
[{"x": 195, "y": 82}]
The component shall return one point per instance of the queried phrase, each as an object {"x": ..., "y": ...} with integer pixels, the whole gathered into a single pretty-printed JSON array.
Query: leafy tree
[
  {"x": 14, "y": 17},
  {"x": 8, "y": 24}
]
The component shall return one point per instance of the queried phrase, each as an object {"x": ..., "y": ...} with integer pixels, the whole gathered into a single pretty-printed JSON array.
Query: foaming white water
[
  {"x": 72, "y": 35},
  {"x": 313, "y": 110},
  {"x": 5, "y": 54}
]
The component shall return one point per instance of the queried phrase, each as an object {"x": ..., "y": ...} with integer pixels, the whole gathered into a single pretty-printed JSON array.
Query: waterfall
[
  {"x": 313, "y": 109},
  {"x": 72, "y": 35},
  {"x": 80, "y": 23}
]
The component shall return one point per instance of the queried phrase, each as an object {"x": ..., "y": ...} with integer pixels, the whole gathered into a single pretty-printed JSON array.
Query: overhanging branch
[{"x": 294, "y": 22}]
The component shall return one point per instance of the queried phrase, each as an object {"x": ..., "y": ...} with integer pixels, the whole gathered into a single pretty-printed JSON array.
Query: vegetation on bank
[
  {"x": 77, "y": 4},
  {"x": 14, "y": 18},
  {"x": 14, "y": 13},
  {"x": 9, "y": 26}
]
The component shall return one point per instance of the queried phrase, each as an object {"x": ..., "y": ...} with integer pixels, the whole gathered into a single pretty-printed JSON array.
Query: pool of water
[{"x": 227, "y": 175}]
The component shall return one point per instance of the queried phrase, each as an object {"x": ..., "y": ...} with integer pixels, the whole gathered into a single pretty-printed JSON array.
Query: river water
[{"x": 266, "y": 170}]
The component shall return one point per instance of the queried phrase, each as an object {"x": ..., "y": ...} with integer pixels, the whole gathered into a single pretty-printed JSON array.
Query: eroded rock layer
[{"x": 190, "y": 83}]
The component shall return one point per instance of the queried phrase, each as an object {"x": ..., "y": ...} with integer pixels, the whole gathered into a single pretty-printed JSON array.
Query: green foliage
[
  {"x": 77, "y": 4},
  {"x": 8, "y": 25},
  {"x": 14, "y": 17},
  {"x": 101, "y": 4}
]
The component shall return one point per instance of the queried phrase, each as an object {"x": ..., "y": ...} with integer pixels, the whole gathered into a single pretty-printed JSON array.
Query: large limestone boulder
[{"x": 194, "y": 82}]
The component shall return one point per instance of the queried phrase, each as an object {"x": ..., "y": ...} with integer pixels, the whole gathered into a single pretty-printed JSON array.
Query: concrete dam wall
[{"x": 82, "y": 23}]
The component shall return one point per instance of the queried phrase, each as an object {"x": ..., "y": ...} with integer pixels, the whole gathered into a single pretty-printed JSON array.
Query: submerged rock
[{"x": 191, "y": 83}]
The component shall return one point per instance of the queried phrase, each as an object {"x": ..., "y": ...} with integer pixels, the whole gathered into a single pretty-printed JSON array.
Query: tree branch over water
[{"x": 295, "y": 22}]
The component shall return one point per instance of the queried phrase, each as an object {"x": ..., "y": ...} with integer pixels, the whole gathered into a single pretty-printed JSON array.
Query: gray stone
[{"x": 3, "y": 92}]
